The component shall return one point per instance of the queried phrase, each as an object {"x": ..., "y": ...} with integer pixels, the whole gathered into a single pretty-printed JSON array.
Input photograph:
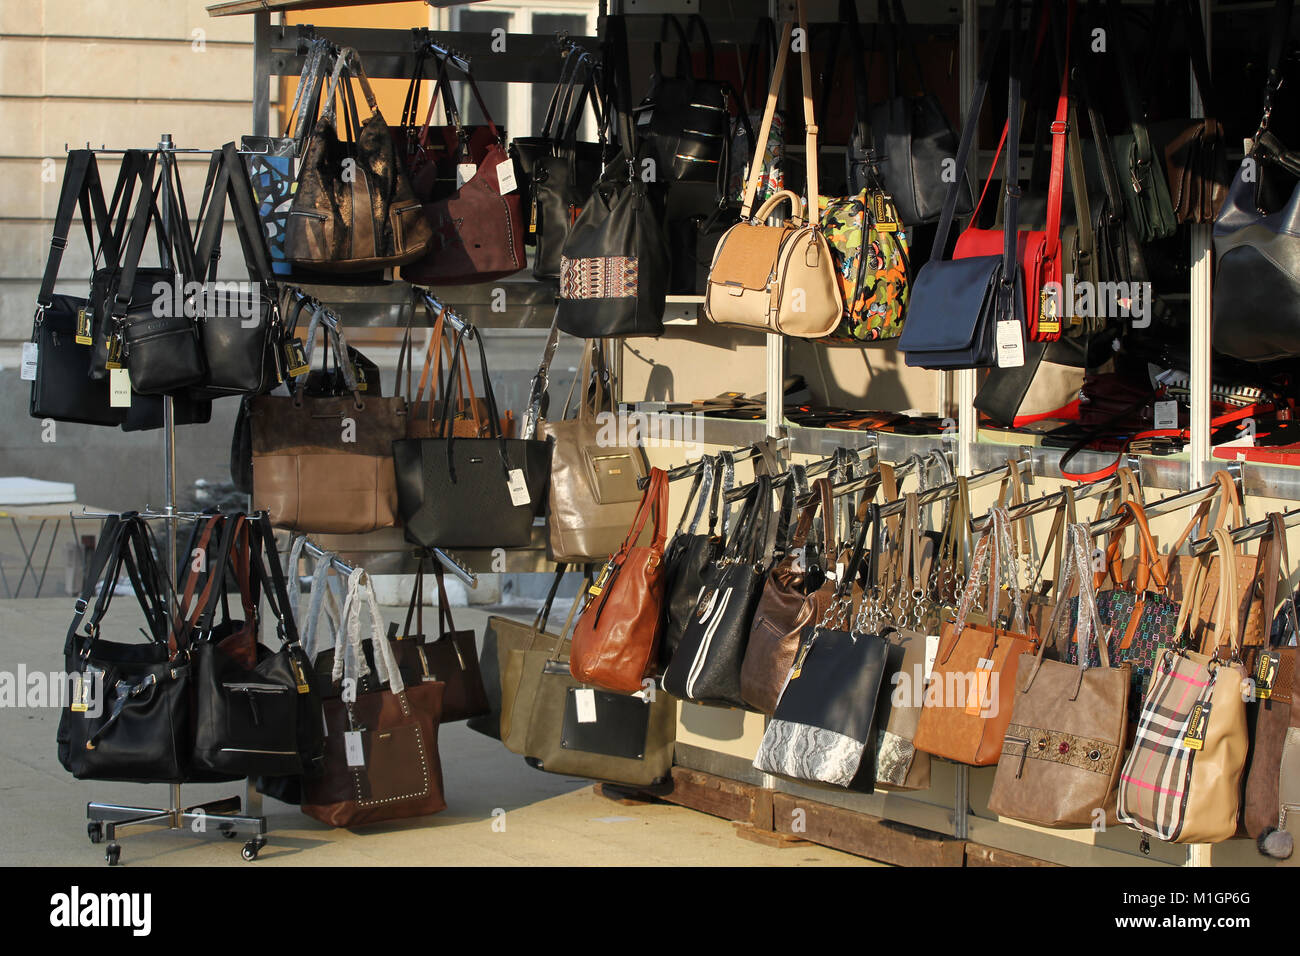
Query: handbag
[
  {"x": 614, "y": 263},
  {"x": 425, "y": 404},
  {"x": 1182, "y": 779},
  {"x": 968, "y": 698},
  {"x": 912, "y": 143},
  {"x": 690, "y": 552},
  {"x": 1257, "y": 261},
  {"x": 129, "y": 713},
  {"x": 593, "y": 495},
  {"x": 451, "y": 658},
  {"x": 501, "y": 636},
  {"x": 1063, "y": 749},
  {"x": 617, "y": 635},
  {"x": 339, "y": 177},
  {"x": 759, "y": 271},
  {"x": 957, "y": 304},
  {"x": 1150, "y": 209},
  {"x": 796, "y": 595},
  {"x": 532, "y": 154},
  {"x": 686, "y": 123},
  {"x": 449, "y": 491},
  {"x": 324, "y": 464},
  {"x": 62, "y": 388},
  {"x": 478, "y": 231},
  {"x": 904, "y": 616},
  {"x": 823, "y": 728},
  {"x": 246, "y": 717},
  {"x": 872, "y": 265},
  {"x": 1274, "y": 682},
  {"x": 1039, "y": 254},
  {"x": 272, "y": 160},
  {"x": 757, "y": 64},
  {"x": 705, "y": 668},
  {"x": 381, "y": 748},
  {"x": 432, "y": 155},
  {"x": 239, "y": 332},
  {"x": 566, "y": 171}
]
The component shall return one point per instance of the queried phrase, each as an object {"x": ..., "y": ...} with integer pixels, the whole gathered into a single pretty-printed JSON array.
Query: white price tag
[
  {"x": 28, "y": 372},
  {"x": 352, "y": 745},
  {"x": 464, "y": 173},
  {"x": 585, "y": 699},
  {"x": 119, "y": 388},
  {"x": 931, "y": 652},
  {"x": 1011, "y": 344},
  {"x": 518, "y": 489},
  {"x": 1166, "y": 415},
  {"x": 506, "y": 176}
]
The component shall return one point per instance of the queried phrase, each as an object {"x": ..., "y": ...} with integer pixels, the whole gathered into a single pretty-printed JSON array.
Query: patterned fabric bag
[
  {"x": 1182, "y": 779},
  {"x": 870, "y": 249},
  {"x": 1141, "y": 624}
]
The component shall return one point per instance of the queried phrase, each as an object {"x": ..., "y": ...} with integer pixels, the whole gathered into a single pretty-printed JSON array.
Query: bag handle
[
  {"x": 494, "y": 423},
  {"x": 1089, "y": 627},
  {"x": 1229, "y": 500},
  {"x": 1276, "y": 568},
  {"x": 685, "y": 69},
  {"x": 1225, "y": 621},
  {"x": 81, "y": 188},
  {"x": 702, "y": 484},
  {"x": 306, "y": 98},
  {"x": 765, "y": 128}
]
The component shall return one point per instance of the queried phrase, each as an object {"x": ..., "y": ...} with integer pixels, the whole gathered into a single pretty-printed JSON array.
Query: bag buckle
[{"x": 1060, "y": 127}]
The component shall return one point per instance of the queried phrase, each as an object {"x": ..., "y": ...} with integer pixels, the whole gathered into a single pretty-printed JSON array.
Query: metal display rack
[{"x": 948, "y": 806}]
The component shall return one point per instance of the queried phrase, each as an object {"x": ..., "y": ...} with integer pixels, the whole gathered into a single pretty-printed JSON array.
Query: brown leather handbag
[
  {"x": 795, "y": 595},
  {"x": 1274, "y": 677},
  {"x": 353, "y": 209},
  {"x": 470, "y": 418},
  {"x": 971, "y": 690},
  {"x": 617, "y": 635},
  {"x": 594, "y": 492},
  {"x": 381, "y": 748},
  {"x": 1062, "y": 752},
  {"x": 325, "y": 464},
  {"x": 451, "y": 658}
]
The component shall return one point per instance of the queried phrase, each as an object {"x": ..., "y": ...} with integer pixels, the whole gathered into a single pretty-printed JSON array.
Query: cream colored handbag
[{"x": 777, "y": 278}]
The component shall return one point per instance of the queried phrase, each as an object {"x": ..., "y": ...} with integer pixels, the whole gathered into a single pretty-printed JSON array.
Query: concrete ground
[{"x": 548, "y": 820}]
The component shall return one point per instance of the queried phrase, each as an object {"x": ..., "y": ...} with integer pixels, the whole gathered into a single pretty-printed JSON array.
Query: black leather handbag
[
  {"x": 912, "y": 143},
  {"x": 239, "y": 329},
  {"x": 128, "y": 717},
  {"x": 455, "y": 492},
  {"x": 62, "y": 389},
  {"x": 705, "y": 668},
  {"x": 686, "y": 122},
  {"x": 824, "y": 730},
  {"x": 689, "y": 553},
  {"x": 952, "y": 319},
  {"x": 247, "y": 718},
  {"x": 561, "y": 171}
]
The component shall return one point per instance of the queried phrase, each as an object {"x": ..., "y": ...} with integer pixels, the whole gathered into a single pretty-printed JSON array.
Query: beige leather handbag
[{"x": 777, "y": 278}]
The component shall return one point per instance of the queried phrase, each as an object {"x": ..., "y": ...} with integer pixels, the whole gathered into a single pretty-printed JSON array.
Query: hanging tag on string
[
  {"x": 1011, "y": 344},
  {"x": 28, "y": 369},
  {"x": 1166, "y": 416},
  {"x": 506, "y": 176},
  {"x": 464, "y": 173},
  {"x": 119, "y": 388},
  {"x": 355, "y": 751},
  {"x": 518, "y": 488},
  {"x": 584, "y": 699}
]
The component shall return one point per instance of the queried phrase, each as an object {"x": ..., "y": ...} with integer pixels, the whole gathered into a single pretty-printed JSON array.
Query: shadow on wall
[{"x": 860, "y": 377}]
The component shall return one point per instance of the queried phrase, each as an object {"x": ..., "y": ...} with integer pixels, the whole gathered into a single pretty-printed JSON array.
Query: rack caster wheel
[
  {"x": 228, "y": 834},
  {"x": 251, "y": 849},
  {"x": 113, "y": 854},
  {"x": 96, "y": 832}
]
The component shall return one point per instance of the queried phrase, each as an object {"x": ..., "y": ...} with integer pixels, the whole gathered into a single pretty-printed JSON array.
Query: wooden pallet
[{"x": 784, "y": 820}]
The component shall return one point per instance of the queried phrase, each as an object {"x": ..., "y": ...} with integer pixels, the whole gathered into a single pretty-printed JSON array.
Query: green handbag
[{"x": 870, "y": 248}]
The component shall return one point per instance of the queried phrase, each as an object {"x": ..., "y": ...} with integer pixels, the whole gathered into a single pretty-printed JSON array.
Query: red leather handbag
[
  {"x": 1039, "y": 253},
  {"x": 618, "y": 633},
  {"x": 478, "y": 233}
]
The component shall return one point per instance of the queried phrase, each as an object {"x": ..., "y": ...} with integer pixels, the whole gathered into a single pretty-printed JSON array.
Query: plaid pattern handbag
[{"x": 1182, "y": 779}]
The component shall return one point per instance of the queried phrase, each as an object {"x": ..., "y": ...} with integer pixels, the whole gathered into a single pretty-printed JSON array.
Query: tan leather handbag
[
  {"x": 594, "y": 491},
  {"x": 1063, "y": 749},
  {"x": 617, "y": 636},
  {"x": 777, "y": 278},
  {"x": 972, "y": 685},
  {"x": 1182, "y": 779}
]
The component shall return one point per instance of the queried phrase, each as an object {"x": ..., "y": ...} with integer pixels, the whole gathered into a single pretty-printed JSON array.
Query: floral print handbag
[{"x": 871, "y": 252}]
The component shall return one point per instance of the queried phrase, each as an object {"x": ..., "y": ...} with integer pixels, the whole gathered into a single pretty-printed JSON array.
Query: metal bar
[
  {"x": 1247, "y": 532},
  {"x": 262, "y": 74},
  {"x": 1047, "y": 502},
  {"x": 1202, "y": 255},
  {"x": 930, "y": 495},
  {"x": 819, "y": 467},
  {"x": 448, "y": 314},
  {"x": 690, "y": 468},
  {"x": 45, "y": 568},
  {"x": 1155, "y": 509}
]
